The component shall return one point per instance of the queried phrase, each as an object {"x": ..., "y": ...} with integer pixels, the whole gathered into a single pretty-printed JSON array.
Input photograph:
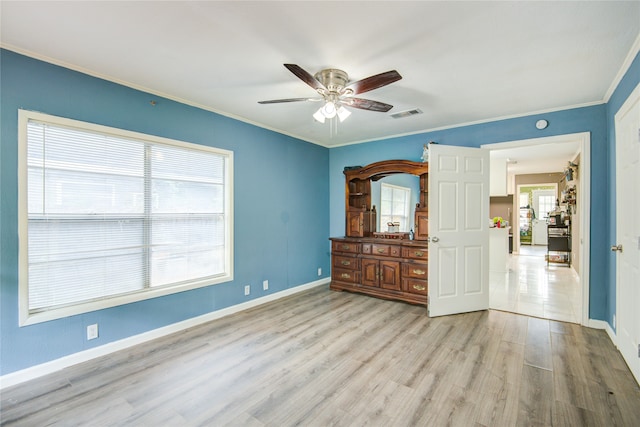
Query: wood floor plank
[
  {"x": 515, "y": 330},
  {"x": 537, "y": 351},
  {"x": 322, "y": 358},
  {"x": 536, "y": 397}
]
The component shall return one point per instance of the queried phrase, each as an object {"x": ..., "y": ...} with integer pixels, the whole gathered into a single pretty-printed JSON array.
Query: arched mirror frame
[{"x": 360, "y": 217}]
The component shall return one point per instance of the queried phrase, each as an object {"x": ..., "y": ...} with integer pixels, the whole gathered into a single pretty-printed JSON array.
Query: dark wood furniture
[
  {"x": 361, "y": 216},
  {"x": 392, "y": 268},
  {"x": 559, "y": 244}
]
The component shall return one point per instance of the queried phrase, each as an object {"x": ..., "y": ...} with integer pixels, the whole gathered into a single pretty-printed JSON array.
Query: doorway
[
  {"x": 535, "y": 201},
  {"x": 529, "y": 283}
]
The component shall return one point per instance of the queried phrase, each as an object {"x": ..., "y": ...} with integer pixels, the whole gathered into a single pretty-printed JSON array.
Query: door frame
[
  {"x": 631, "y": 99},
  {"x": 583, "y": 200}
]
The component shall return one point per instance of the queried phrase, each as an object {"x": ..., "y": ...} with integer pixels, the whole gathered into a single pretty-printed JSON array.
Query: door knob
[
  {"x": 435, "y": 239},
  {"x": 617, "y": 248}
]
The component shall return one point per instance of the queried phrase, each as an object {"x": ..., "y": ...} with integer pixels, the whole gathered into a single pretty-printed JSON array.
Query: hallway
[{"x": 533, "y": 289}]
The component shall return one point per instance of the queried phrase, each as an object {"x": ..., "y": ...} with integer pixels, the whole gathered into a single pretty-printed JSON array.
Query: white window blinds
[{"x": 112, "y": 215}]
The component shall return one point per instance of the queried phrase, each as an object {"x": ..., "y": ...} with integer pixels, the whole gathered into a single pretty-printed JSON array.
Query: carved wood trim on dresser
[{"x": 390, "y": 269}]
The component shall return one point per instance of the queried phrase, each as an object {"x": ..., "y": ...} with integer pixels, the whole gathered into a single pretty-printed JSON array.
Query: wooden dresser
[
  {"x": 391, "y": 268},
  {"x": 384, "y": 268}
]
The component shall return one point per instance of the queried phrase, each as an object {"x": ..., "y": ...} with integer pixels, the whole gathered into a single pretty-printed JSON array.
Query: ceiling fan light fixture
[
  {"x": 318, "y": 115},
  {"x": 329, "y": 110},
  {"x": 343, "y": 113}
]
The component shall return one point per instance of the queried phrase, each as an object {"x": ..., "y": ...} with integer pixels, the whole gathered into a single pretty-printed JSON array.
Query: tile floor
[{"x": 530, "y": 287}]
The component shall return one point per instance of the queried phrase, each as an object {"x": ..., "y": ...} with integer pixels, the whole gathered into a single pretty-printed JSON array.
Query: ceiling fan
[{"x": 337, "y": 93}]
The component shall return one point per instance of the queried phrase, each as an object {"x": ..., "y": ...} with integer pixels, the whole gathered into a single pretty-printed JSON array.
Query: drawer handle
[
  {"x": 381, "y": 250},
  {"x": 419, "y": 288},
  {"x": 419, "y": 253},
  {"x": 346, "y": 263},
  {"x": 345, "y": 275},
  {"x": 420, "y": 272},
  {"x": 346, "y": 247}
]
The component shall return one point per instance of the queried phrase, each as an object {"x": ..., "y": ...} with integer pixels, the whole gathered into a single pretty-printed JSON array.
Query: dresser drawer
[
  {"x": 346, "y": 262},
  {"x": 415, "y": 286},
  {"x": 415, "y": 253},
  {"x": 342, "y": 275},
  {"x": 381, "y": 250},
  {"x": 348, "y": 247},
  {"x": 414, "y": 270}
]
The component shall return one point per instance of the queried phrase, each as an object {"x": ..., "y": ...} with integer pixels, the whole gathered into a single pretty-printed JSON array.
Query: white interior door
[
  {"x": 628, "y": 231},
  {"x": 458, "y": 229},
  {"x": 543, "y": 202}
]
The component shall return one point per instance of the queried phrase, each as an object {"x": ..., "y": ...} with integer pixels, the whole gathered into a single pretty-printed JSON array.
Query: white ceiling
[
  {"x": 461, "y": 62},
  {"x": 546, "y": 155}
]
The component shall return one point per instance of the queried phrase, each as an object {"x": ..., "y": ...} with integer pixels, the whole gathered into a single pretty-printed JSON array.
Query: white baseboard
[
  {"x": 37, "y": 371},
  {"x": 601, "y": 324}
]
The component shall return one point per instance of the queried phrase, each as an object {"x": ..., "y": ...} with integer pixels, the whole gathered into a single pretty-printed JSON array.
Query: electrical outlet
[
  {"x": 247, "y": 289},
  {"x": 319, "y": 271},
  {"x": 265, "y": 285},
  {"x": 92, "y": 331}
]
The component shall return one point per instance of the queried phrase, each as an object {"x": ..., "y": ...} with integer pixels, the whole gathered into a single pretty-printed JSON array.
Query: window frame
[
  {"x": 28, "y": 318},
  {"x": 406, "y": 226}
]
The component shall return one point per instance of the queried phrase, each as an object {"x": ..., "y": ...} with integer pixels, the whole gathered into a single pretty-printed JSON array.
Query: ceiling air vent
[{"x": 407, "y": 113}]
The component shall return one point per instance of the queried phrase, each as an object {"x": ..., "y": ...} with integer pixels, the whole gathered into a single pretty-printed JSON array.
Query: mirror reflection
[{"x": 395, "y": 198}]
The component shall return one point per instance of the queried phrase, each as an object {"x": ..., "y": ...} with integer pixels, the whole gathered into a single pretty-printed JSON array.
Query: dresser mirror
[
  {"x": 363, "y": 201},
  {"x": 401, "y": 195}
]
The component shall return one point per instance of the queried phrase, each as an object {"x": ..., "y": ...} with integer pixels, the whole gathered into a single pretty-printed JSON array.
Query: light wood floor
[{"x": 323, "y": 358}]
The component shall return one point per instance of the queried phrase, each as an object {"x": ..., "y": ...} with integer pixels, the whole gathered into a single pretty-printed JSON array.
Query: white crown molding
[
  {"x": 477, "y": 122},
  {"x": 144, "y": 89},
  {"x": 635, "y": 48}
]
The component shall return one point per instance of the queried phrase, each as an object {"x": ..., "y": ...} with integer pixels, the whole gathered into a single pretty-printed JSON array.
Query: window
[
  {"x": 394, "y": 206},
  {"x": 111, "y": 217},
  {"x": 545, "y": 205}
]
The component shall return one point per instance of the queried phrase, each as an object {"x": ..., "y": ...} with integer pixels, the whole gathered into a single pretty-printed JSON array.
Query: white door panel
[
  {"x": 628, "y": 231},
  {"x": 458, "y": 230}
]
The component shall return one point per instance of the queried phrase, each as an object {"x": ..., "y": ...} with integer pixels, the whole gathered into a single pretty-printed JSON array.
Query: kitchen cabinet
[{"x": 498, "y": 177}]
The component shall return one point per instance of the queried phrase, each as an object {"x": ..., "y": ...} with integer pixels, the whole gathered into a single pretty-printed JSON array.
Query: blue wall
[
  {"x": 282, "y": 186},
  {"x": 590, "y": 119},
  {"x": 598, "y": 120},
  {"x": 281, "y": 203}
]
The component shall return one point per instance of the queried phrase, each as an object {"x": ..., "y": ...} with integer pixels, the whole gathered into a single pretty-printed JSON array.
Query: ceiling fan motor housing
[{"x": 334, "y": 80}]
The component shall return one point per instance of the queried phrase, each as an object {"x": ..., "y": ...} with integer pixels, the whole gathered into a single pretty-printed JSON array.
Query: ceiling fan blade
[
  {"x": 277, "y": 101},
  {"x": 374, "y": 82},
  {"x": 367, "y": 104},
  {"x": 306, "y": 77}
]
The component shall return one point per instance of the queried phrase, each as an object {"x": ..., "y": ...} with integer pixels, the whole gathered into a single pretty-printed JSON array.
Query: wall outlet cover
[{"x": 92, "y": 331}]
